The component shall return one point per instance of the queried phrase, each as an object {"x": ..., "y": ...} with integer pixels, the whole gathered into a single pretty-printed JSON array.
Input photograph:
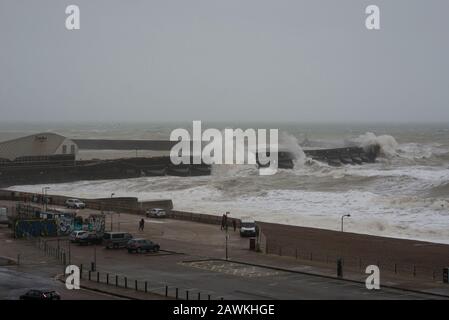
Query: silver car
[
  {"x": 76, "y": 235},
  {"x": 75, "y": 204},
  {"x": 156, "y": 213}
]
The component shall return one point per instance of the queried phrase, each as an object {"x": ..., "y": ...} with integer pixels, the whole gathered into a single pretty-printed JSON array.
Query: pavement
[{"x": 192, "y": 261}]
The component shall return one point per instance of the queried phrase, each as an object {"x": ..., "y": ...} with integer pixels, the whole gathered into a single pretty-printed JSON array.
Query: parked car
[
  {"x": 75, "y": 235},
  {"x": 116, "y": 240},
  {"x": 156, "y": 213},
  {"x": 40, "y": 295},
  {"x": 142, "y": 245},
  {"x": 89, "y": 238},
  {"x": 248, "y": 228},
  {"x": 75, "y": 204}
]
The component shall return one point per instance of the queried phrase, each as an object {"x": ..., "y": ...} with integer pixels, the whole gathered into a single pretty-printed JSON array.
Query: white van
[{"x": 247, "y": 227}]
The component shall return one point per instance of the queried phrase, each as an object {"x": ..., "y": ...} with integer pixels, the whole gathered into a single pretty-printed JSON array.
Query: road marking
[{"x": 232, "y": 268}]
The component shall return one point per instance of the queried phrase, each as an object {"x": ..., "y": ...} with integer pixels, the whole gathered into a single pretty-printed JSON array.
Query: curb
[
  {"x": 321, "y": 276},
  {"x": 118, "y": 295}
]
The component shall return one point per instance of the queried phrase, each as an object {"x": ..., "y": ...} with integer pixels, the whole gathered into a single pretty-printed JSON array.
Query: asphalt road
[
  {"x": 16, "y": 281},
  {"x": 233, "y": 281},
  {"x": 182, "y": 266}
]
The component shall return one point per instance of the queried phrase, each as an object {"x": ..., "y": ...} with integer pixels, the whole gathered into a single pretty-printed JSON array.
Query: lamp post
[
  {"x": 44, "y": 198},
  {"x": 111, "y": 214},
  {"x": 227, "y": 235},
  {"x": 93, "y": 265},
  {"x": 342, "y": 219}
]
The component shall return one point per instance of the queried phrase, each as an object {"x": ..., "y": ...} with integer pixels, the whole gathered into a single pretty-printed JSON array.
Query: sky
[{"x": 224, "y": 60}]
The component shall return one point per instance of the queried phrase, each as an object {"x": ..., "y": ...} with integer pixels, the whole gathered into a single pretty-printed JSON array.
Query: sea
[{"x": 404, "y": 194}]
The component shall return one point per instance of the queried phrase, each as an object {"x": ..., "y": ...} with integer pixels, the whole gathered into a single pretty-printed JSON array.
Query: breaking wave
[
  {"x": 388, "y": 144},
  {"x": 403, "y": 194}
]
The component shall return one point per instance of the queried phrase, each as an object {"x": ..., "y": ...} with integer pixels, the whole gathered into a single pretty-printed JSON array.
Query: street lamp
[
  {"x": 342, "y": 218},
  {"x": 227, "y": 236},
  {"x": 111, "y": 213},
  {"x": 44, "y": 198}
]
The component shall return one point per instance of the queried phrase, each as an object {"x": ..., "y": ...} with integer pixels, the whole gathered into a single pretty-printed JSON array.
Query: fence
[
  {"x": 55, "y": 250},
  {"x": 358, "y": 264},
  {"x": 122, "y": 204},
  {"x": 144, "y": 286}
]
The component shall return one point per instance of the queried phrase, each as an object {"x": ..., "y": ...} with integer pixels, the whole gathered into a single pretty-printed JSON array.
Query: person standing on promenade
[{"x": 141, "y": 224}]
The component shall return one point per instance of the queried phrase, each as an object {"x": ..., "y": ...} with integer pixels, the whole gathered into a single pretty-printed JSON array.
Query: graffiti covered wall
[
  {"x": 97, "y": 223},
  {"x": 35, "y": 228},
  {"x": 65, "y": 224}
]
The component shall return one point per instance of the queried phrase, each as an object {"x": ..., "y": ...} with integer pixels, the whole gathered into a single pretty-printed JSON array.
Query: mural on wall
[
  {"x": 96, "y": 223},
  {"x": 51, "y": 225},
  {"x": 66, "y": 225},
  {"x": 35, "y": 228}
]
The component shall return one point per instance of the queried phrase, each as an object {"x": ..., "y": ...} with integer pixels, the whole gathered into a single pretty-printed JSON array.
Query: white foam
[{"x": 396, "y": 216}]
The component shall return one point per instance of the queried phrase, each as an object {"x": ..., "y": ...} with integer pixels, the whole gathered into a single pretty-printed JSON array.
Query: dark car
[
  {"x": 142, "y": 245},
  {"x": 41, "y": 295},
  {"x": 90, "y": 238}
]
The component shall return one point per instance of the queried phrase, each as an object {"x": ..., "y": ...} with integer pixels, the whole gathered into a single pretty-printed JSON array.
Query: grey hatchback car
[{"x": 142, "y": 245}]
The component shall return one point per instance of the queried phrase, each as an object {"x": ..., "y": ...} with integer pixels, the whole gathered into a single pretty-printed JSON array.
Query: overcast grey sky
[{"x": 247, "y": 60}]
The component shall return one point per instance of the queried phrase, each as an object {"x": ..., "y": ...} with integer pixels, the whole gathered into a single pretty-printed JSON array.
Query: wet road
[{"x": 16, "y": 281}]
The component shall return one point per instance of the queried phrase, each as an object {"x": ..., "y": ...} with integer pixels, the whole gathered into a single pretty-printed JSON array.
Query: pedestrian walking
[{"x": 141, "y": 224}]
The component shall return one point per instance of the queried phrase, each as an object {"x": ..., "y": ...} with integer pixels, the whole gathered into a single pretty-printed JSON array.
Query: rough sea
[{"x": 404, "y": 194}]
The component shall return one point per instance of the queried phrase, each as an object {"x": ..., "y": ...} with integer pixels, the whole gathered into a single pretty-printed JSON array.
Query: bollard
[
  {"x": 176, "y": 294},
  {"x": 126, "y": 283},
  {"x": 116, "y": 281},
  {"x": 98, "y": 277},
  {"x": 187, "y": 294},
  {"x": 199, "y": 296},
  {"x": 135, "y": 284},
  {"x": 146, "y": 286},
  {"x": 90, "y": 274},
  {"x": 166, "y": 291},
  {"x": 107, "y": 278},
  {"x": 81, "y": 271},
  {"x": 92, "y": 266},
  {"x": 208, "y": 297}
]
